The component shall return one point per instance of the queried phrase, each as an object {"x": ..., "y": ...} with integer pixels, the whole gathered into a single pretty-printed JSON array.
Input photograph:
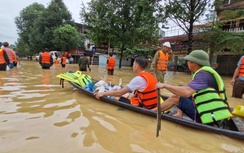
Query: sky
[{"x": 11, "y": 9}]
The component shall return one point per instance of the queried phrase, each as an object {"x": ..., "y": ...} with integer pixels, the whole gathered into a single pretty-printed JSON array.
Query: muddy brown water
[{"x": 38, "y": 115}]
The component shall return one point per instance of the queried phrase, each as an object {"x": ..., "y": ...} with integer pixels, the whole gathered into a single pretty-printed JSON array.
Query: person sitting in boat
[
  {"x": 203, "y": 99},
  {"x": 141, "y": 88}
]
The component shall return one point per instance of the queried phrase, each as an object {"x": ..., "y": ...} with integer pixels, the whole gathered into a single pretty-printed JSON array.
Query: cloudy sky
[{"x": 11, "y": 9}]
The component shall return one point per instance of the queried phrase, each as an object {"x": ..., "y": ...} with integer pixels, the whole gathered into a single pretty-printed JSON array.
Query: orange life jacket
[
  {"x": 46, "y": 58},
  {"x": 69, "y": 55},
  {"x": 66, "y": 54},
  {"x": 111, "y": 63},
  {"x": 63, "y": 60},
  {"x": 56, "y": 61},
  {"x": 2, "y": 59},
  {"x": 241, "y": 72},
  {"x": 14, "y": 57},
  {"x": 162, "y": 62},
  {"x": 148, "y": 97}
]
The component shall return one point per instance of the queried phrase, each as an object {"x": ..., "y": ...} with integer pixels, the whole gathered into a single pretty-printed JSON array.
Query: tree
[
  {"x": 220, "y": 40},
  {"x": 185, "y": 13},
  {"x": 26, "y": 21},
  {"x": 54, "y": 16},
  {"x": 66, "y": 37},
  {"x": 37, "y": 24},
  {"x": 123, "y": 23}
]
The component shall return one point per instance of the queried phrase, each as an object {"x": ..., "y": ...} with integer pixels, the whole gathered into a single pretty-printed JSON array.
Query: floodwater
[{"x": 37, "y": 115}]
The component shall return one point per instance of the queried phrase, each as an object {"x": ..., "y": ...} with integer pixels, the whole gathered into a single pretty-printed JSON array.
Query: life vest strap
[
  {"x": 148, "y": 107},
  {"x": 215, "y": 122},
  {"x": 208, "y": 91},
  {"x": 209, "y": 101},
  {"x": 147, "y": 92},
  {"x": 147, "y": 99},
  {"x": 213, "y": 110}
]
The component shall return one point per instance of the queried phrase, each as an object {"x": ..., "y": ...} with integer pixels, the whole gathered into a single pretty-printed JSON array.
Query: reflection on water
[{"x": 37, "y": 115}]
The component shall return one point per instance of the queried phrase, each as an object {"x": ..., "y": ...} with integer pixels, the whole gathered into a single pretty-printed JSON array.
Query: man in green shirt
[
  {"x": 84, "y": 63},
  {"x": 160, "y": 62}
]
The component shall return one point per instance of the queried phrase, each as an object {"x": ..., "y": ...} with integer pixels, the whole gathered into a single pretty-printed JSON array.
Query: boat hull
[{"x": 232, "y": 132}]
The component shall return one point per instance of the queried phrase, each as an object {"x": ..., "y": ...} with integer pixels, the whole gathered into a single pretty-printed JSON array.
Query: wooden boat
[{"x": 235, "y": 124}]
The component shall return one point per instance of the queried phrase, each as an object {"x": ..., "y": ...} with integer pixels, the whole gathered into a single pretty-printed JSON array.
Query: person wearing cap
[
  {"x": 203, "y": 99},
  {"x": 46, "y": 59},
  {"x": 160, "y": 62},
  {"x": 237, "y": 80}
]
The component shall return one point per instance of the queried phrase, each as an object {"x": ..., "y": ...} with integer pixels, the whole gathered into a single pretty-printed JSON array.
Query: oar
[
  {"x": 158, "y": 115},
  {"x": 120, "y": 82}
]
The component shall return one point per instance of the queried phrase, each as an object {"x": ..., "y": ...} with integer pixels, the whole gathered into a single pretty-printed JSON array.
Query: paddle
[
  {"x": 120, "y": 82},
  {"x": 158, "y": 115}
]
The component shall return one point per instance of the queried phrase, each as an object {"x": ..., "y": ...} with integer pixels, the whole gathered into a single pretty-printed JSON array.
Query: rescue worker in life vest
[
  {"x": 111, "y": 64},
  {"x": 4, "y": 60},
  {"x": 141, "y": 88},
  {"x": 63, "y": 61},
  {"x": 160, "y": 62},
  {"x": 203, "y": 99},
  {"x": 237, "y": 80},
  {"x": 46, "y": 60}
]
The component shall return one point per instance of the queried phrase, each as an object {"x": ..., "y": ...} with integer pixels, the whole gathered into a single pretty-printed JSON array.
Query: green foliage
[
  {"x": 123, "y": 23},
  {"x": 221, "y": 40},
  {"x": 185, "y": 13},
  {"x": 26, "y": 21},
  {"x": 36, "y": 25},
  {"x": 145, "y": 52},
  {"x": 66, "y": 37},
  {"x": 233, "y": 14}
]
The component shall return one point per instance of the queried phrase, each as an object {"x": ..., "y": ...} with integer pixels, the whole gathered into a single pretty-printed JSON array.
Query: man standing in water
[
  {"x": 111, "y": 64},
  {"x": 237, "y": 80},
  {"x": 84, "y": 62},
  {"x": 4, "y": 60},
  {"x": 46, "y": 60},
  {"x": 160, "y": 62},
  {"x": 10, "y": 53}
]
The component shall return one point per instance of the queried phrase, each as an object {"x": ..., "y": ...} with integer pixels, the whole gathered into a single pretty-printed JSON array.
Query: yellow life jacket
[
  {"x": 82, "y": 79},
  {"x": 212, "y": 104}
]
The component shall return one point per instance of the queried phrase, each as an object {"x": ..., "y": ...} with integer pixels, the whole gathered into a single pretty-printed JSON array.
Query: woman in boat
[
  {"x": 141, "y": 88},
  {"x": 206, "y": 90}
]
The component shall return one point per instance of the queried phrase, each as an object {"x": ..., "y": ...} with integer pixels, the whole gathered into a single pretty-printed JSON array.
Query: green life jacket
[
  {"x": 212, "y": 104},
  {"x": 82, "y": 79}
]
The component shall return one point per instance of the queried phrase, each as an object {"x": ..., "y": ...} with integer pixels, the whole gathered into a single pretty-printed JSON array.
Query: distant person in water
[
  {"x": 63, "y": 61},
  {"x": 10, "y": 53},
  {"x": 4, "y": 60},
  {"x": 111, "y": 64},
  {"x": 46, "y": 60},
  {"x": 84, "y": 62}
]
